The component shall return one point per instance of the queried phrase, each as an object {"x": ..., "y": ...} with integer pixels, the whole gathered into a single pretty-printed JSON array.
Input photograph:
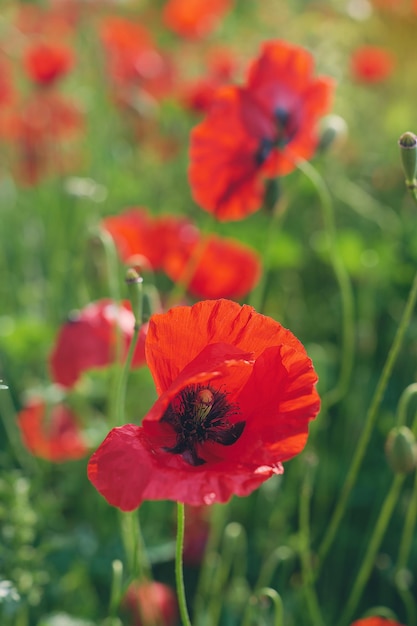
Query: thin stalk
[
  {"x": 348, "y": 317},
  {"x": 179, "y": 573},
  {"x": 370, "y": 420},
  {"x": 258, "y": 295},
  {"x": 405, "y": 398},
  {"x": 124, "y": 375},
  {"x": 372, "y": 549},
  {"x": 8, "y": 416},
  {"x": 408, "y": 531},
  {"x": 116, "y": 587},
  {"x": 234, "y": 548},
  {"x": 276, "y": 600},
  {"x": 217, "y": 522},
  {"x": 313, "y": 604}
]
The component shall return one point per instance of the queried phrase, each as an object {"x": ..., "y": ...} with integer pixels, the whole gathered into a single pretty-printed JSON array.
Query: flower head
[
  {"x": 51, "y": 433},
  {"x": 371, "y": 64},
  {"x": 88, "y": 340},
  {"x": 236, "y": 394},
  {"x": 133, "y": 60},
  {"x": 375, "y": 621},
  {"x": 224, "y": 269},
  {"x": 257, "y": 131},
  {"x": 151, "y": 603},
  {"x": 194, "y": 18},
  {"x": 45, "y": 62},
  {"x": 136, "y": 233}
]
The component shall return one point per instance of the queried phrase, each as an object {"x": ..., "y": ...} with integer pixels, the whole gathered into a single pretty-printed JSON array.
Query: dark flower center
[
  {"x": 286, "y": 129},
  {"x": 200, "y": 413}
]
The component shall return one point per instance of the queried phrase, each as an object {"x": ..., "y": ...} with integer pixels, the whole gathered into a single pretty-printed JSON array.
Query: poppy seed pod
[
  {"x": 333, "y": 133},
  {"x": 134, "y": 285},
  {"x": 401, "y": 450},
  {"x": 408, "y": 154}
]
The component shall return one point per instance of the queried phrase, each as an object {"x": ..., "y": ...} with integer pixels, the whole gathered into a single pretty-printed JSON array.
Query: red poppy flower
[
  {"x": 51, "y": 433},
  {"x": 89, "y": 339},
  {"x": 372, "y": 64},
  {"x": 32, "y": 19},
  {"x": 197, "y": 95},
  {"x": 375, "y": 621},
  {"x": 46, "y": 62},
  {"x": 133, "y": 59},
  {"x": 151, "y": 603},
  {"x": 194, "y": 18},
  {"x": 225, "y": 269},
  {"x": 39, "y": 130},
  {"x": 257, "y": 131},
  {"x": 236, "y": 394},
  {"x": 6, "y": 83},
  {"x": 136, "y": 233}
]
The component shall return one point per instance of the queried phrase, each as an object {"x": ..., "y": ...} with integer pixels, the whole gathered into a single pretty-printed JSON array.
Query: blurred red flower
[
  {"x": 51, "y": 433},
  {"x": 236, "y": 394},
  {"x": 89, "y": 339},
  {"x": 133, "y": 60},
  {"x": 38, "y": 130},
  {"x": 198, "y": 94},
  {"x": 6, "y": 83},
  {"x": 151, "y": 603},
  {"x": 376, "y": 621},
  {"x": 49, "y": 21},
  {"x": 257, "y": 131},
  {"x": 194, "y": 18},
  {"x": 136, "y": 233},
  {"x": 47, "y": 62},
  {"x": 371, "y": 64},
  {"x": 225, "y": 268}
]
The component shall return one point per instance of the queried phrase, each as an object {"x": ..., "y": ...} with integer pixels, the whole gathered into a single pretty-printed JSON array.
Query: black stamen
[{"x": 198, "y": 414}]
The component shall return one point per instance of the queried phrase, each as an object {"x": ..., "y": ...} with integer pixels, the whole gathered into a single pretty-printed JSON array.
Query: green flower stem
[
  {"x": 313, "y": 604},
  {"x": 373, "y": 547},
  {"x": 134, "y": 546},
  {"x": 370, "y": 419},
  {"x": 410, "y": 604},
  {"x": 348, "y": 318},
  {"x": 405, "y": 398},
  {"x": 116, "y": 587},
  {"x": 182, "y": 285},
  {"x": 408, "y": 531},
  {"x": 401, "y": 574},
  {"x": 258, "y": 295},
  {"x": 179, "y": 574},
  {"x": 217, "y": 522},
  {"x": 280, "y": 555},
  {"x": 112, "y": 263},
  {"x": 233, "y": 556},
  {"x": 8, "y": 416},
  {"x": 120, "y": 395},
  {"x": 123, "y": 377}
]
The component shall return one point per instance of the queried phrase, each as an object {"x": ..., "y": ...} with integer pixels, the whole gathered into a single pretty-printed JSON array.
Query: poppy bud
[
  {"x": 401, "y": 450},
  {"x": 134, "y": 284},
  {"x": 333, "y": 133},
  {"x": 408, "y": 153}
]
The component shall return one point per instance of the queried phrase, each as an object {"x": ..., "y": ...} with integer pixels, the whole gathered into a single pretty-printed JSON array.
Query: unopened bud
[
  {"x": 134, "y": 285},
  {"x": 408, "y": 154},
  {"x": 333, "y": 133},
  {"x": 401, "y": 450}
]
